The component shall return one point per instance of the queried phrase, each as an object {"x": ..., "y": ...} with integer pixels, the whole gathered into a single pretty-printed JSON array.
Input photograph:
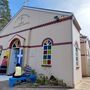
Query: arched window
[
  {"x": 15, "y": 43},
  {"x": 47, "y": 46}
]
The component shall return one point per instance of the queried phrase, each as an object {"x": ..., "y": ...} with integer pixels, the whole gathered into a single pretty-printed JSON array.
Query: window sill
[
  {"x": 77, "y": 67},
  {"x": 46, "y": 65}
]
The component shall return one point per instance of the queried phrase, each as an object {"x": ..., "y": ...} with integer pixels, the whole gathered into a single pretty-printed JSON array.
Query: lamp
[{"x": 56, "y": 18}]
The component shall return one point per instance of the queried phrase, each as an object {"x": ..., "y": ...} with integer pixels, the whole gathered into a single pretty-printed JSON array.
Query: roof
[{"x": 48, "y": 10}]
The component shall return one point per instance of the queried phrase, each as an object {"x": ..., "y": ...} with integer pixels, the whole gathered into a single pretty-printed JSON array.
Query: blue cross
[{"x": 20, "y": 55}]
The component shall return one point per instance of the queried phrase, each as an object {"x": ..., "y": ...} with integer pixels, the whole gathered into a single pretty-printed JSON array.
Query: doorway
[{"x": 15, "y": 56}]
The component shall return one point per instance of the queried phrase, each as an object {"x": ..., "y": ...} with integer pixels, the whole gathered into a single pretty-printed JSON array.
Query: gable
[{"x": 26, "y": 18}]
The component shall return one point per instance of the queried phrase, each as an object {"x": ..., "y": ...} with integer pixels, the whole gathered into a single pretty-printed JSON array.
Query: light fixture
[{"x": 56, "y": 18}]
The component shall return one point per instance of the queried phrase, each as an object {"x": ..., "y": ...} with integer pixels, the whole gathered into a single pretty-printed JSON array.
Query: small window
[
  {"x": 47, "y": 46},
  {"x": 77, "y": 55}
]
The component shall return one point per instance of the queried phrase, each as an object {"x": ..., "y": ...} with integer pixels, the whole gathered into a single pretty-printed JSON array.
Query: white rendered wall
[
  {"x": 61, "y": 55},
  {"x": 30, "y": 18},
  {"x": 5, "y": 42},
  {"x": 77, "y": 74}
]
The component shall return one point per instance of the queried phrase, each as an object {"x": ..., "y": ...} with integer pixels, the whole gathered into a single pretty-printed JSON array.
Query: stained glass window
[{"x": 47, "y": 46}]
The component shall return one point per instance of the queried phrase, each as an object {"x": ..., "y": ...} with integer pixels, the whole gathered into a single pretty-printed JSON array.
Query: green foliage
[
  {"x": 33, "y": 72},
  {"x": 4, "y": 13},
  {"x": 53, "y": 81},
  {"x": 56, "y": 82},
  {"x": 42, "y": 79}
]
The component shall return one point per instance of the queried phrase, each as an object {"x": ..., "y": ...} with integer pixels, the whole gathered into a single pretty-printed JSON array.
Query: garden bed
[
  {"x": 32, "y": 86},
  {"x": 29, "y": 85}
]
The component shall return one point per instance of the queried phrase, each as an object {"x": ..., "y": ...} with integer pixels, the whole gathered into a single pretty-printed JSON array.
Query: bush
[
  {"x": 42, "y": 79},
  {"x": 33, "y": 72},
  {"x": 53, "y": 81},
  {"x": 56, "y": 82}
]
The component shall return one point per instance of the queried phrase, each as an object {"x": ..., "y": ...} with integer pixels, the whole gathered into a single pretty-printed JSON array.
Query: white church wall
[
  {"x": 8, "y": 39},
  {"x": 5, "y": 42},
  {"x": 59, "y": 32},
  {"x": 60, "y": 65},
  {"x": 77, "y": 70},
  {"x": 28, "y": 18},
  {"x": 61, "y": 55}
]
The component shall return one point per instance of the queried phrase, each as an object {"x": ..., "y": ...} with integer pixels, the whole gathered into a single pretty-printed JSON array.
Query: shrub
[
  {"x": 33, "y": 72},
  {"x": 56, "y": 82},
  {"x": 42, "y": 79}
]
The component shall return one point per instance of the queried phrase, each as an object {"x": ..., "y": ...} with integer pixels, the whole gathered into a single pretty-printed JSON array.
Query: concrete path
[
  {"x": 4, "y": 81},
  {"x": 84, "y": 85},
  {"x": 4, "y": 77}
]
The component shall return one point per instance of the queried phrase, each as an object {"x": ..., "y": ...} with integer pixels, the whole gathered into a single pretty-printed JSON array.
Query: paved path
[
  {"x": 4, "y": 77},
  {"x": 4, "y": 81},
  {"x": 84, "y": 85}
]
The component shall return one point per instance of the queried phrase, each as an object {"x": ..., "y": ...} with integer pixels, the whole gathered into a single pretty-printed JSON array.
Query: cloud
[{"x": 83, "y": 16}]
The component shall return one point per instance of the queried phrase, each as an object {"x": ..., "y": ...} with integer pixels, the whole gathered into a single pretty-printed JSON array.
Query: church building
[{"x": 47, "y": 40}]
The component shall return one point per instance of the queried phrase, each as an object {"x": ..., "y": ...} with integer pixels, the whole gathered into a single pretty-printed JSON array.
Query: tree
[{"x": 4, "y": 13}]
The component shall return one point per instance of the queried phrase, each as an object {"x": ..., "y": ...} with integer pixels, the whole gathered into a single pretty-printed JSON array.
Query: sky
[{"x": 80, "y": 8}]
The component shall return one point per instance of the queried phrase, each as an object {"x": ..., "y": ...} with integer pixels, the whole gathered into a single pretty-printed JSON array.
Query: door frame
[
  {"x": 10, "y": 62},
  {"x": 11, "y": 46}
]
